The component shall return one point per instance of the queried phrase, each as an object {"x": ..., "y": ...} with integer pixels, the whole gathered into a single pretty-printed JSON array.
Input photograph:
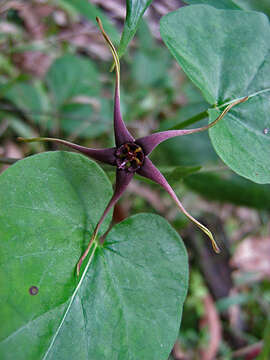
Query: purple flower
[{"x": 130, "y": 155}]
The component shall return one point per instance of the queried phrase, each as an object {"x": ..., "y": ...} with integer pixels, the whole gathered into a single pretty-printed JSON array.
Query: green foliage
[
  {"x": 195, "y": 149},
  {"x": 221, "y": 4},
  {"x": 225, "y": 303},
  {"x": 228, "y": 187},
  {"x": 226, "y": 54},
  {"x": 134, "y": 13},
  {"x": 66, "y": 101},
  {"x": 29, "y": 98},
  {"x": 127, "y": 304},
  {"x": 21, "y": 128},
  {"x": 85, "y": 121},
  {"x": 131, "y": 287},
  {"x": 175, "y": 173},
  {"x": 150, "y": 61},
  {"x": 70, "y": 76},
  {"x": 262, "y": 5},
  {"x": 266, "y": 345}
]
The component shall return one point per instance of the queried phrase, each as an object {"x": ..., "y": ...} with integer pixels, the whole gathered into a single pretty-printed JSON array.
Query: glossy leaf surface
[
  {"x": 50, "y": 204},
  {"x": 135, "y": 283}
]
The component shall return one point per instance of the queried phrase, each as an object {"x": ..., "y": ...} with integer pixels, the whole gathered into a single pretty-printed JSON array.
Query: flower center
[{"x": 129, "y": 157}]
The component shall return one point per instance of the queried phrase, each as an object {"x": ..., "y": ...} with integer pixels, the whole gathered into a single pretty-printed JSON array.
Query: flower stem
[
  {"x": 91, "y": 243},
  {"x": 192, "y": 120}
]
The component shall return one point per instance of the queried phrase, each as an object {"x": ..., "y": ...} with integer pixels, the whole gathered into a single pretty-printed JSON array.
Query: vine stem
[{"x": 191, "y": 120}]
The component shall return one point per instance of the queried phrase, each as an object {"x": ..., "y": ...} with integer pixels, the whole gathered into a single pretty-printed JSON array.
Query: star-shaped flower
[{"x": 131, "y": 156}]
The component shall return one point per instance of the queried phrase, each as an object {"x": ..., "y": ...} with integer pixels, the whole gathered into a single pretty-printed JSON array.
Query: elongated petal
[
  {"x": 121, "y": 132},
  {"x": 148, "y": 143},
  {"x": 123, "y": 178},
  {"x": 149, "y": 171},
  {"x": 104, "y": 155}
]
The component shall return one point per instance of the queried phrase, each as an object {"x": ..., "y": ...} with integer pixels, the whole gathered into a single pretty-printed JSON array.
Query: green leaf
[
  {"x": 30, "y": 99},
  {"x": 176, "y": 173},
  {"x": 225, "y": 303},
  {"x": 22, "y": 129},
  {"x": 6, "y": 66},
  {"x": 195, "y": 149},
  {"x": 265, "y": 353},
  {"x": 243, "y": 141},
  {"x": 134, "y": 13},
  {"x": 262, "y": 5},
  {"x": 128, "y": 302},
  {"x": 150, "y": 62},
  {"x": 81, "y": 120},
  {"x": 90, "y": 12},
  {"x": 71, "y": 76},
  {"x": 226, "y": 54},
  {"x": 227, "y": 187},
  {"x": 50, "y": 204},
  {"x": 148, "y": 70},
  {"x": 220, "y": 4}
]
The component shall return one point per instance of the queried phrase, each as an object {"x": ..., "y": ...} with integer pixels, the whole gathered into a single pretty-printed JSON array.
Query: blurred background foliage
[{"x": 55, "y": 81}]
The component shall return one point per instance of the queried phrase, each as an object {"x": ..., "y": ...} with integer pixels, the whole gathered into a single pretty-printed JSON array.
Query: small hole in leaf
[
  {"x": 265, "y": 131},
  {"x": 33, "y": 290}
]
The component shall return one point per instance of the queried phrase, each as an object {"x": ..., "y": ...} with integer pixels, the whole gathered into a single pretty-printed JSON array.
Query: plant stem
[{"x": 190, "y": 121}]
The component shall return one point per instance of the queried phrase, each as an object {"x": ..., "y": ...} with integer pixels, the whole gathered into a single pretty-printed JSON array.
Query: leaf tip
[
  {"x": 244, "y": 99},
  {"x": 214, "y": 244},
  {"x": 98, "y": 20},
  {"x": 209, "y": 234}
]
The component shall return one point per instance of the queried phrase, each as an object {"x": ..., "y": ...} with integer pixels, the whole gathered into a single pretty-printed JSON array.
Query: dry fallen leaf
[
  {"x": 253, "y": 255},
  {"x": 33, "y": 62},
  {"x": 10, "y": 150}
]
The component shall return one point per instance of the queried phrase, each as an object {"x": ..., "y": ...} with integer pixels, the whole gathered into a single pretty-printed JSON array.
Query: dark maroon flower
[{"x": 130, "y": 156}]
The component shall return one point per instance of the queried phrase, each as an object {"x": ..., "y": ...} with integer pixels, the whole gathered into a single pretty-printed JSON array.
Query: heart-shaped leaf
[
  {"x": 128, "y": 301},
  {"x": 134, "y": 13},
  {"x": 71, "y": 76},
  {"x": 226, "y": 54}
]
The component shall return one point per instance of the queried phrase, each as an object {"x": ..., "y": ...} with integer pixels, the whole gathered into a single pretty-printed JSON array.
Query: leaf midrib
[{"x": 71, "y": 300}]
